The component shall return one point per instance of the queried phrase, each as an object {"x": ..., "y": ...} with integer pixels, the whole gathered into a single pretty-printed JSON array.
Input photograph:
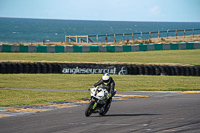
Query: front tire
[{"x": 89, "y": 110}]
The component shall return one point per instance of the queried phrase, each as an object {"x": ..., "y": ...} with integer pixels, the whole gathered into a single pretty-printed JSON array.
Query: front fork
[
  {"x": 95, "y": 103},
  {"x": 99, "y": 110},
  {"x": 94, "y": 106}
]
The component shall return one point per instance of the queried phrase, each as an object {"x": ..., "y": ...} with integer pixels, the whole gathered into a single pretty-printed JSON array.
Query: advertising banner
[{"x": 120, "y": 70}]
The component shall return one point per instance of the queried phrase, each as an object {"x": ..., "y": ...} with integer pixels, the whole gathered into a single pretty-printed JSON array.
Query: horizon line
[{"x": 101, "y": 20}]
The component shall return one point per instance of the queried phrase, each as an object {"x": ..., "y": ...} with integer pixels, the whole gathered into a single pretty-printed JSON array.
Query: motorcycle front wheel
[{"x": 89, "y": 110}]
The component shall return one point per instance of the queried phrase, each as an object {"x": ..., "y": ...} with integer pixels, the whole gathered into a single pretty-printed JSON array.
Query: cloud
[{"x": 155, "y": 11}]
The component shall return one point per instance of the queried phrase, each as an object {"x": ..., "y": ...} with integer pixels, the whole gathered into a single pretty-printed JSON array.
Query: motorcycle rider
[{"x": 109, "y": 84}]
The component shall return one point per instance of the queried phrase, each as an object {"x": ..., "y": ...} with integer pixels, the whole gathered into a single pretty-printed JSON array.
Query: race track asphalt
[{"x": 162, "y": 112}]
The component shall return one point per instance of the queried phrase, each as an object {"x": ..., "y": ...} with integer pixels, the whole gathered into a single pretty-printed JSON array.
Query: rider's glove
[{"x": 108, "y": 96}]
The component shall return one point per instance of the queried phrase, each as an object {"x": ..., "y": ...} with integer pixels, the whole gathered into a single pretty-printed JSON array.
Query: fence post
[
  {"x": 97, "y": 38},
  {"x": 123, "y": 37},
  {"x": 184, "y": 33},
  {"x": 69, "y": 39},
  {"x": 132, "y": 36},
  {"x": 158, "y": 34},
  {"x": 87, "y": 39},
  {"x": 65, "y": 39},
  {"x": 114, "y": 39},
  {"x": 176, "y": 34},
  {"x": 106, "y": 38},
  {"x": 167, "y": 33},
  {"x": 193, "y": 32},
  {"x": 149, "y": 35},
  {"x": 76, "y": 39},
  {"x": 141, "y": 35}
]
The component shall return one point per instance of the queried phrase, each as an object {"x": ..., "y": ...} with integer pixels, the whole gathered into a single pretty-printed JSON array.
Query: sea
[{"x": 51, "y": 30}]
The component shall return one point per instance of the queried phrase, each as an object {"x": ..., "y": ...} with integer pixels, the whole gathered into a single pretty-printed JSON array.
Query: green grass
[
  {"x": 85, "y": 81},
  {"x": 67, "y": 81},
  {"x": 47, "y": 81},
  {"x": 20, "y": 97},
  {"x": 190, "y": 57},
  {"x": 82, "y": 81}
]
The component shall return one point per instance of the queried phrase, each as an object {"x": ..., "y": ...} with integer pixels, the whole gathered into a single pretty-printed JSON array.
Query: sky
[{"x": 108, "y": 10}]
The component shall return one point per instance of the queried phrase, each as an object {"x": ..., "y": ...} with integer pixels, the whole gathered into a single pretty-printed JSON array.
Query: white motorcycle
[{"x": 98, "y": 101}]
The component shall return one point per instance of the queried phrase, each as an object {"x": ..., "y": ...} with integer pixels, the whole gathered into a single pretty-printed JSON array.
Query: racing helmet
[{"x": 106, "y": 78}]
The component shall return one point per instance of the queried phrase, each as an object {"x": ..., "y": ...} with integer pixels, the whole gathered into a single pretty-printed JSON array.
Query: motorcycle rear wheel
[{"x": 89, "y": 110}]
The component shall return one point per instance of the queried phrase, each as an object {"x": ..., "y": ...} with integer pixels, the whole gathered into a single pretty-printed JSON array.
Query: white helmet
[{"x": 106, "y": 78}]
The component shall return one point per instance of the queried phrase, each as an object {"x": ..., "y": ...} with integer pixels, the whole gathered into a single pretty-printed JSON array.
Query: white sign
[
  {"x": 123, "y": 71},
  {"x": 111, "y": 70}
]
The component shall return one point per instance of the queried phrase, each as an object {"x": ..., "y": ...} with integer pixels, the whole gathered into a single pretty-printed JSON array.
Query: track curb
[{"x": 42, "y": 107}]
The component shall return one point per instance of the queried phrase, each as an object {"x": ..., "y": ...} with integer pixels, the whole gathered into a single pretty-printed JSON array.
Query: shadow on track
[
  {"x": 113, "y": 115},
  {"x": 130, "y": 114}
]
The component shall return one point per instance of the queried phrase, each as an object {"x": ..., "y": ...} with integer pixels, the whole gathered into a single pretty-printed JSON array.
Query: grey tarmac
[{"x": 161, "y": 112}]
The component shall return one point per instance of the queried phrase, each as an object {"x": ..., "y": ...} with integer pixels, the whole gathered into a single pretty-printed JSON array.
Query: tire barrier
[
  {"x": 96, "y": 48},
  {"x": 91, "y": 68}
]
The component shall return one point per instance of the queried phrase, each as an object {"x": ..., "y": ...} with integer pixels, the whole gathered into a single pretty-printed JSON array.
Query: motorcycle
[{"x": 98, "y": 101}]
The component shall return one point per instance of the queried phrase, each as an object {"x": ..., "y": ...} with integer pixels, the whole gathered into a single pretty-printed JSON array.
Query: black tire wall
[{"x": 37, "y": 67}]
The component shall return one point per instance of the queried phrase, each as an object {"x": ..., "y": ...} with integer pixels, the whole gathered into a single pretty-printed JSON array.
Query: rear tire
[{"x": 89, "y": 110}]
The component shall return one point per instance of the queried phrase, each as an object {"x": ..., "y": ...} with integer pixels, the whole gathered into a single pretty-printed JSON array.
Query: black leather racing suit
[{"x": 110, "y": 86}]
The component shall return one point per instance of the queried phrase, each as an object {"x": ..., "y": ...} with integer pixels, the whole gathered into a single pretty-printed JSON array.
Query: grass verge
[
  {"x": 20, "y": 97},
  {"x": 85, "y": 81},
  {"x": 190, "y": 57},
  {"x": 66, "y": 81},
  {"x": 82, "y": 81}
]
